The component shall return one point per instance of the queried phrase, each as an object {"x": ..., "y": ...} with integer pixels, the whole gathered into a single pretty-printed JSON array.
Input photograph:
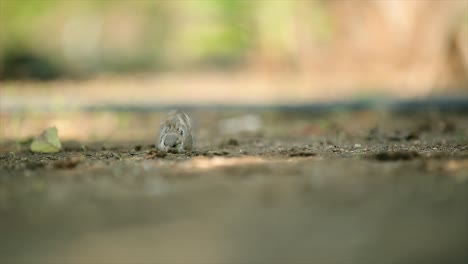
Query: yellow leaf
[{"x": 47, "y": 142}]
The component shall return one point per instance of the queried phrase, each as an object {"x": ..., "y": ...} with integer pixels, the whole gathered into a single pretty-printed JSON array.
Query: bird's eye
[{"x": 181, "y": 132}]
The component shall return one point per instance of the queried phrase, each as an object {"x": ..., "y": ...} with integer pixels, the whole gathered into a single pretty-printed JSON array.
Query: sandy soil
[{"x": 338, "y": 187}]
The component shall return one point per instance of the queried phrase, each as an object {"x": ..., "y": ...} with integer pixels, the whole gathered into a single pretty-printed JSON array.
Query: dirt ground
[{"x": 302, "y": 187}]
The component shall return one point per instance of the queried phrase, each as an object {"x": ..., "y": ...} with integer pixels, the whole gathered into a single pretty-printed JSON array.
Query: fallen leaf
[{"x": 47, "y": 142}]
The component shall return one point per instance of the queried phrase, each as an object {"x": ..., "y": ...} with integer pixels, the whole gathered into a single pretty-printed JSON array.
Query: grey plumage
[{"x": 176, "y": 133}]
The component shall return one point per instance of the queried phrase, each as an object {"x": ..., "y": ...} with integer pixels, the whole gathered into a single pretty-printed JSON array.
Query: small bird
[{"x": 176, "y": 133}]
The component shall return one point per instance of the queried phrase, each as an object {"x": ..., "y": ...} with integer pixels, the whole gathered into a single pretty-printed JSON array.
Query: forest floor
[{"x": 283, "y": 187}]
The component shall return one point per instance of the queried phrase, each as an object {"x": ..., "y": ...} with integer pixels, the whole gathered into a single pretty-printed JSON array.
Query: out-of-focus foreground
[{"x": 341, "y": 187}]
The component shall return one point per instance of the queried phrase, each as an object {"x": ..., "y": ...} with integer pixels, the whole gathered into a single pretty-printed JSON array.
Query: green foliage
[
  {"x": 18, "y": 16},
  {"x": 139, "y": 35}
]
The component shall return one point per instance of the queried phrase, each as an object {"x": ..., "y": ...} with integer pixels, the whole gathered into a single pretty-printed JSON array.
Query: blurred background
[
  {"x": 307, "y": 148},
  {"x": 339, "y": 44},
  {"x": 61, "y": 55}
]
